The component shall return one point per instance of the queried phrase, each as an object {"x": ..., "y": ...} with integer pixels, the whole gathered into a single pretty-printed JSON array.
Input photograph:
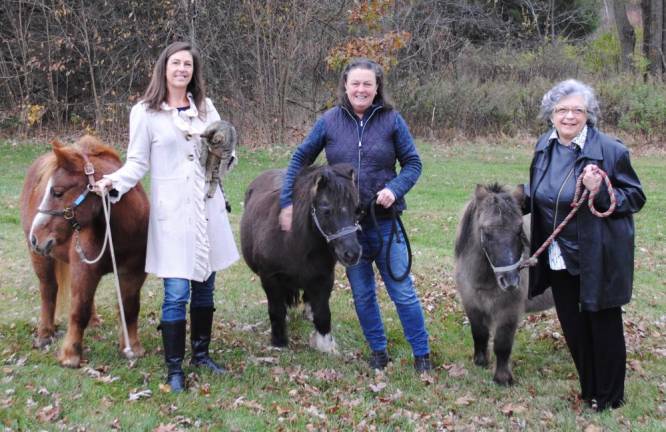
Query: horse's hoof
[
  {"x": 324, "y": 343},
  {"x": 279, "y": 343},
  {"x": 42, "y": 342},
  {"x": 70, "y": 361},
  {"x": 503, "y": 379},
  {"x": 133, "y": 353},
  {"x": 481, "y": 360}
]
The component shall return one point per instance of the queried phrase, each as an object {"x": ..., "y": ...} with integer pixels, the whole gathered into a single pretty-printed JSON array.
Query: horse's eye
[{"x": 57, "y": 193}]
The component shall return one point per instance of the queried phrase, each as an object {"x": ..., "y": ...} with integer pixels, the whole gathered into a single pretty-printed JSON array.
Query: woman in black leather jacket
[{"x": 590, "y": 264}]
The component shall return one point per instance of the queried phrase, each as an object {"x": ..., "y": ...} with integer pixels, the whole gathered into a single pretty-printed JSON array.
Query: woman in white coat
[{"x": 189, "y": 236}]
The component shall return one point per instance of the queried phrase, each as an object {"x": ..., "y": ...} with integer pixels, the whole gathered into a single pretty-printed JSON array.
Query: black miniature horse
[{"x": 323, "y": 230}]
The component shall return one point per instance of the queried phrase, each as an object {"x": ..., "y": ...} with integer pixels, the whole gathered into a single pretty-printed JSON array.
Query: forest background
[{"x": 455, "y": 68}]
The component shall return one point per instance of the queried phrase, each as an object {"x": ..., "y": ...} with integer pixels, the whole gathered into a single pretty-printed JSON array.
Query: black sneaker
[
  {"x": 422, "y": 363},
  {"x": 379, "y": 359}
]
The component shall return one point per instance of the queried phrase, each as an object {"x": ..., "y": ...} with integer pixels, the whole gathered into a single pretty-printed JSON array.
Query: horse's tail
[
  {"x": 541, "y": 302},
  {"x": 64, "y": 279}
]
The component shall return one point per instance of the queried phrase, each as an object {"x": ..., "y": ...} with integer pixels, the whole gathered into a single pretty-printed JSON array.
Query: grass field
[{"x": 301, "y": 389}]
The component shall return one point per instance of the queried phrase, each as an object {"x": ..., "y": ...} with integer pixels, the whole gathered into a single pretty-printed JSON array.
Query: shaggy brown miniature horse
[
  {"x": 59, "y": 214},
  {"x": 323, "y": 229}
]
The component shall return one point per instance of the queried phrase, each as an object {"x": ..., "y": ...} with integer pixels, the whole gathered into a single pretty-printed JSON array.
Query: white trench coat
[{"x": 188, "y": 236}]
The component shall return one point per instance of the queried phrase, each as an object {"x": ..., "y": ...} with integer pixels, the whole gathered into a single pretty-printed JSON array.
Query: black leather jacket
[{"x": 606, "y": 245}]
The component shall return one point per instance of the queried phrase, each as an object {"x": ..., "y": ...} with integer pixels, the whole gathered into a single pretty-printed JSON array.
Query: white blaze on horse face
[
  {"x": 324, "y": 343},
  {"x": 41, "y": 218}
]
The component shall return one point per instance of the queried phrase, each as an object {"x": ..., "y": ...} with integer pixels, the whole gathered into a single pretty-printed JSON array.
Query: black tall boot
[
  {"x": 173, "y": 339},
  {"x": 201, "y": 322}
]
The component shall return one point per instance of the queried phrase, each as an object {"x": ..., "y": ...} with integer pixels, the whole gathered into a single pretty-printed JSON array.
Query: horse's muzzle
[
  {"x": 349, "y": 256},
  {"x": 508, "y": 281},
  {"x": 41, "y": 249}
]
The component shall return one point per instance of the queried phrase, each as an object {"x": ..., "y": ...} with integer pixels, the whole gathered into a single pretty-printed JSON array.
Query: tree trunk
[
  {"x": 625, "y": 33},
  {"x": 654, "y": 31}
]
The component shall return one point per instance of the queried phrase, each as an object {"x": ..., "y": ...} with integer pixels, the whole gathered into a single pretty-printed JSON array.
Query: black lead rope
[{"x": 395, "y": 222}]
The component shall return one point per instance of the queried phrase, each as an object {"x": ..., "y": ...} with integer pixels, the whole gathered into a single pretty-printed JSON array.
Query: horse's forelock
[
  {"x": 500, "y": 202},
  {"x": 335, "y": 178},
  {"x": 45, "y": 168},
  {"x": 340, "y": 179},
  {"x": 93, "y": 147}
]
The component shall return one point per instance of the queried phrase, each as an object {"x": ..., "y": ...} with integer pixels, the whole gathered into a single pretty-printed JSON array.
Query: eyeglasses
[{"x": 562, "y": 111}]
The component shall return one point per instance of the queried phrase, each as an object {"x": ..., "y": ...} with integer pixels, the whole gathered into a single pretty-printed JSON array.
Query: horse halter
[
  {"x": 69, "y": 213},
  {"x": 503, "y": 269},
  {"x": 342, "y": 232}
]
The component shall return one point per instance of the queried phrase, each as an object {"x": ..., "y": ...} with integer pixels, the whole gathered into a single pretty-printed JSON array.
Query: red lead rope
[{"x": 580, "y": 197}]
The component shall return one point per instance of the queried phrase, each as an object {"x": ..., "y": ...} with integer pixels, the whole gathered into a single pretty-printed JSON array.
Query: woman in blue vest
[{"x": 365, "y": 131}]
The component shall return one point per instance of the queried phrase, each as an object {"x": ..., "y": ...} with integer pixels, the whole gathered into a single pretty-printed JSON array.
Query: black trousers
[{"x": 595, "y": 340}]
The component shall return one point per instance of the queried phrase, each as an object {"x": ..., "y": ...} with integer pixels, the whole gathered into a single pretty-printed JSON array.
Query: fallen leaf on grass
[
  {"x": 281, "y": 411},
  {"x": 394, "y": 397},
  {"x": 593, "y": 428},
  {"x": 328, "y": 375},
  {"x": 141, "y": 394},
  {"x": 267, "y": 360},
  {"x": 314, "y": 411},
  {"x": 166, "y": 428},
  {"x": 376, "y": 388},
  {"x": 511, "y": 409},
  {"x": 427, "y": 378},
  {"x": 635, "y": 365},
  {"x": 465, "y": 400},
  {"x": 241, "y": 401},
  {"x": 204, "y": 389},
  {"x": 455, "y": 370},
  {"x": 48, "y": 414},
  {"x": 164, "y": 388}
]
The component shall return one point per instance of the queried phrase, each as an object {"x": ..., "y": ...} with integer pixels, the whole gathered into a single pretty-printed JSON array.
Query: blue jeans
[
  {"x": 177, "y": 293},
  {"x": 362, "y": 280}
]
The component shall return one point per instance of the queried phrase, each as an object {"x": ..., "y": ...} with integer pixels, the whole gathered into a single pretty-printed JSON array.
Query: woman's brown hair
[
  {"x": 156, "y": 93},
  {"x": 381, "y": 98}
]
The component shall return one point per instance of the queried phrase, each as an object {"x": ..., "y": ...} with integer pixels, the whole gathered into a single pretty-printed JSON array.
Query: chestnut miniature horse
[{"x": 59, "y": 215}]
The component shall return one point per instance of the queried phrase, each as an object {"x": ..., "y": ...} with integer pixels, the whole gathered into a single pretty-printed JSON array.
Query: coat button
[{"x": 190, "y": 157}]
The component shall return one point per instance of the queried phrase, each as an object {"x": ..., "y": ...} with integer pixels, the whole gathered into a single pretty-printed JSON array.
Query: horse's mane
[
  {"x": 467, "y": 228},
  {"x": 87, "y": 144},
  {"x": 338, "y": 179}
]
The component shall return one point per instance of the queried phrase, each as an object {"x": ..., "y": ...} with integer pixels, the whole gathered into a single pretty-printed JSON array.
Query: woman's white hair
[{"x": 570, "y": 87}]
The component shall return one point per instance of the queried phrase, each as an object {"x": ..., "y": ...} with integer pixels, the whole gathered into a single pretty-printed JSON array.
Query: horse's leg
[
  {"x": 131, "y": 282},
  {"x": 319, "y": 293},
  {"x": 277, "y": 310},
  {"x": 480, "y": 322},
  {"x": 48, "y": 290},
  {"x": 502, "y": 345},
  {"x": 83, "y": 293}
]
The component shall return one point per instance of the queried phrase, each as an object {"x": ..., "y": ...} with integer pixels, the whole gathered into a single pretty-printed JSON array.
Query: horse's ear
[
  {"x": 65, "y": 157},
  {"x": 319, "y": 182},
  {"x": 519, "y": 194},
  {"x": 480, "y": 192},
  {"x": 55, "y": 143}
]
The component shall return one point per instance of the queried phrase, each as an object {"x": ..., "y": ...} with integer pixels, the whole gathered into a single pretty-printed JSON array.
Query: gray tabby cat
[{"x": 218, "y": 145}]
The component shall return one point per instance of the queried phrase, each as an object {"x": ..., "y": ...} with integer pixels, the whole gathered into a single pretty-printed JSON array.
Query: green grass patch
[{"x": 301, "y": 389}]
